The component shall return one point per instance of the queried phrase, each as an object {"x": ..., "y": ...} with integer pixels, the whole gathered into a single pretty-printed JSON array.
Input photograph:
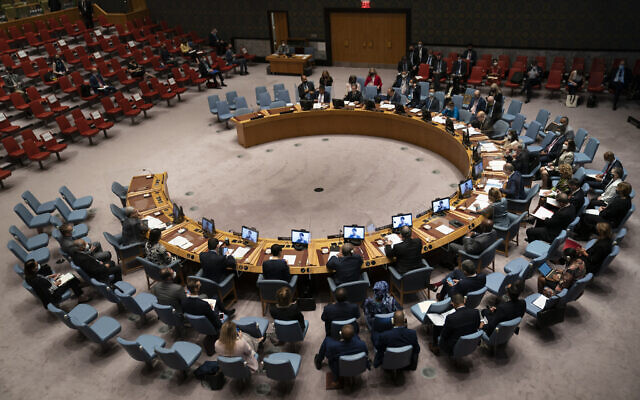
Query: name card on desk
[
  {"x": 97, "y": 55},
  {"x": 97, "y": 32},
  {"x": 52, "y": 98},
  {"x": 96, "y": 115},
  {"x": 62, "y": 43},
  {"x": 46, "y": 136},
  {"x": 137, "y": 97},
  {"x": 171, "y": 81}
]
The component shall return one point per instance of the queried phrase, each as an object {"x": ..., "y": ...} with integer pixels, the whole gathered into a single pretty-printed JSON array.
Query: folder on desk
[{"x": 543, "y": 213}]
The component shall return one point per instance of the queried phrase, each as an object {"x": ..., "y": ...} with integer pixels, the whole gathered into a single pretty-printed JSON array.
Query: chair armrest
[
  {"x": 129, "y": 246},
  {"x": 174, "y": 264},
  {"x": 425, "y": 263},
  {"x": 293, "y": 282},
  {"x": 225, "y": 281},
  {"x": 365, "y": 277},
  {"x": 332, "y": 284},
  {"x": 463, "y": 253},
  {"x": 395, "y": 274},
  {"x": 260, "y": 279}
]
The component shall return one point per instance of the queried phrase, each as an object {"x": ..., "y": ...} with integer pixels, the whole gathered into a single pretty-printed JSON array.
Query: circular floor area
[{"x": 316, "y": 183}]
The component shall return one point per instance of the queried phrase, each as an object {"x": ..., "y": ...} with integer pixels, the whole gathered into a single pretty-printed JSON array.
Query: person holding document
[
  {"x": 463, "y": 321},
  {"x": 550, "y": 228},
  {"x": 48, "y": 286},
  {"x": 560, "y": 279}
]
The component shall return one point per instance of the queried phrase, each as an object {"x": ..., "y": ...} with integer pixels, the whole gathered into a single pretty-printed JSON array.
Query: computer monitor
[
  {"x": 306, "y": 105},
  {"x": 400, "y": 220},
  {"x": 176, "y": 210},
  {"x": 370, "y": 105},
  {"x": 399, "y": 109},
  {"x": 440, "y": 205},
  {"x": 338, "y": 103},
  {"x": 477, "y": 169},
  {"x": 449, "y": 126},
  {"x": 466, "y": 187},
  {"x": 208, "y": 226},
  {"x": 249, "y": 234},
  {"x": 353, "y": 232},
  {"x": 300, "y": 237},
  {"x": 426, "y": 115}
]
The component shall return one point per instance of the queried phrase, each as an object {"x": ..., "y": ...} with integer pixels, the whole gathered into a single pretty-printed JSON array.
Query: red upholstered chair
[
  {"x": 55, "y": 105},
  {"x": 39, "y": 112},
  {"x": 139, "y": 57},
  {"x": 17, "y": 36},
  {"x": 123, "y": 53},
  {"x": 105, "y": 46},
  {"x": 45, "y": 36},
  {"x": 13, "y": 149},
  {"x": 42, "y": 64},
  {"x": 18, "y": 101},
  {"x": 147, "y": 93},
  {"x": 476, "y": 76},
  {"x": 115, "y": 64},
  {"x": 175, "y": 88},
  {"x": 508, "y": 82},
  {"x": 162, "y": 91},
  {"x": 122, "y": 77},
  {"x": 127, "y": 110},
  {"x": 177, "y": 75},
  {"x": 484, "y": 64},
  {"x": 8, "y": 63},
  {"x": 5, "y": 48},
  {"x": 53, "y": 146},
  {"x": 541, "y": 61},
  {"x": 33, "y": 40},
  {"x": 4, "y": 97},
  {"x": 81, "y": 52},
  {"x": 559, "y": 66},
  {"x": 4, "y": 174},
  {"x": 196, "y": 79},
  {"x": 123, "y": 34},
  {"x": 43, "y": 77},
  {"x": 141, "y": 105},
  {"x": 34, "y": 153},
  {"x": 165, "y": 27},
  {"x": 90, "y": 41},
  {"x": 158, "y": 66},
  {"x": 71, "y": 31},
  {"x": 66, "y": 128},
  {"x": 33, "y": 94},
  {"x": 194, "y": 38},
  {"x": 139, "y": 37},
  {"x": 103, "y": 22},
  {"x": 66, "y": 86},
  {"x": 554, "y": 81},
  {"x": 153, "y": 41},
  {"x": 54, "y": 24},
  {"x": 6, "y": 127},
  {"x": 28, "y": 134},
  {"x": 99, "y": 123},
  {"x": 506, "y": 59},
  {"x": 87, "y": 64},
  {"x": 595, "y": 82},
  {"x": 69, "y": 57},
  {"x": 104, "y": 70},
  {"x": 423, "y": 72},
  {"x": 85, "y": 130},
  {"x": 149, "y": 24},
  {"x": 111, "y": 110}
]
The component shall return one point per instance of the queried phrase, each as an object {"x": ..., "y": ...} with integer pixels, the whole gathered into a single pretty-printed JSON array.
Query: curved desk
[{"x": 149, "y": 194}]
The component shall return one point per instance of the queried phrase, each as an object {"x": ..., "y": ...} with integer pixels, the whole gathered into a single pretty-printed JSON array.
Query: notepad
[
  {"x": 459, "y": 126},
  {"x": 553, "y": 202},
  {"x": 351, "y": 104},
  {"x": 178, "y": 241},
  {"x": 290, "y": 259},
  {"x": 439, "y": 119},
  {"x": 154, "y": 223},
  {"x": 478, "y": 205},
  {"x": 424, "y": 305},
  {"x": 444, "y": 229},
  {"x": 592, "y": 211},
  {"x": 64, "y": 278},
  {"x": 497, "y": 165},
  {"x": 493, "y": 183},
  {"x": 394, "y": 238},
  {"x": 334, "y": 253},
  {"x": 540, "y": 302},
  {"x": 543, "y": 213},
  {"x": 212, "y": 303},
  {"x": 488, "y": 147},
  {"x": 387, "y": 106},
  {"x": 474, "y": 131},
  {"x": 240, "y": 252},
  {"x": 438, "y": 319}
]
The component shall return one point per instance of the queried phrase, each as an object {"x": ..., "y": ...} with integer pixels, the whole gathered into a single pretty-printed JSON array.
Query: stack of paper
[
  {"x": 592, "y": 211},
  {"x": 351, "y": 104},
  {"x": 497, "y": 165},
  {"x": 474, "y": 131},
  {"x": 459, "y": 126},
  {"x": 64, "y": 278},
  {"x": 543, "y": 213},
  {"x": 591, "y": 174},
  {"x": 553, "y": 202},
  {"x": 438, "y": 319},
  {"x": 424, "y": 306},
  {"x": 394, "y": 238},
  {"x": 444, "y": 229},
  {"x": 290, "y": 259},
  {"x": 240, "y": 252},
  {"x": 540, "y": 302},
  {"x": 212, "y": 303},
  {"x": 415, "y": 110},
  {"x": 439, "y": 119},
  {"x": 496, "y": 183},
  {"x": 154, "y": 223},
  {"x": 181, "y": 242},
  {"x": 387, "y": 106},
  {"x": 488, "y": 147},
  {"x": 546, "y": 193},
  {"x": 478, "y": 205},
  {"x": 317, "y": 106},
  {"x": 335, "y": 253}
]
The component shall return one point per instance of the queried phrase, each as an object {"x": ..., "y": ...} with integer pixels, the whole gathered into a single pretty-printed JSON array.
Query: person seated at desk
[
  {"x": 450, "y": 110},
  {"x": 275, "y": 267},
  {"x": 68, "y": 245},
  {"x": 98, "y": 84},
  {"x": 438, "y": 71},
  {"x": 193, "y": 304},
  {"x": 306, "y": 91},
  {"x": 497, "y": 210},
  {"x": 210, "y": 73},
  {"x": 353, "y": 80},
  {"x": 414, "y": 94},
  {"x": 155, "y": 251},
  {"x": 477, "y": 103},
  {"x": 392, "y": 97},
  {"x": 493, "y": 109},
  {"x": 339, "y": 311},
  {"x": 333, "y": 349},
  {"x": 431, "y": 104},
  {"x": 216, "y": 265},
  {"x": 323, "y": 97},
  {"x": 461, "y": 280},
  {"x": 552, "y": 168},
  {"x": 354, "y": 95},
  {"x": 609, "y": 191},
  {"x": 285, "y": 309},
  {"x": 47, "y": 285},
  {"x": 326, "y": 79},
  {"x": 482, "y": 123},
  {"x": 58, "y": 66},
  {"x": 346, "y": 265},
  {"x": 283, "y": 49},
  {"x": 602, "y": 180},
  {"x": 403, "y": 82},
  {"x": 523, "y": 162},
  {"x": 514, "y": 187},
  {"x": 168, "y": 292},
  {"x": 576, "y": 196},
  {"x": 373, "y": 79},
  {"x": 459, "y": 74},
  {"x": 613, "y": 213},
  {"x": 550, "y": 228},
  {"x": 553, "y": 150},
  {"x": 99, "y": 270},
  {"x": 561, "y": 278},
  {"x": 231, "y": 59},
  {"x": 399, "y": 336},
  {"x": 505, "y": 311},
  {"x": 234, "y": 343},
  {"x": 511, "y": 143},
  {"x": 133, "y": 228},
  {"x": 594, "y": 256},
  {"x": 463, "y": 321},
  {"x": 380, "y": 303},
  {"x": 408, "y": 253}
]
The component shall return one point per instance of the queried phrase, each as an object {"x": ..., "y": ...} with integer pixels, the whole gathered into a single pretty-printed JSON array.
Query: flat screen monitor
[
  {"x": 249, "y": 234},
  {"x": 400, "y": 220},
  {"x": 306, "y": 105},
  {"x": 399, "y": 109},
  {"x": 477, "y": 169},
  {"x": 338, "y": 103},
  {"x": 300, "y": 237},
  {"x": 176, "y": 210},
  {"x": 440, "y": 205},
  {"x": 370, "y": 105},
  {"x": 353, "y": 232},
  {"x": 466, "y": 187},
  {"x": 208, "y": 226}
]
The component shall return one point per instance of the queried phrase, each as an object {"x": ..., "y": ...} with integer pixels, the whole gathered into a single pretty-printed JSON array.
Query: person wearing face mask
[
  {"x": 451, "y": 110},
  {"x": 305, "y": 89},
  {"x": 439, "y": 71},
  {"x": 373, "y": 79},
  {"x": 47, "y": 285},
  {"x": 414, "y": 94},
  {"x": 404, "y": 65},
  {"x": 431, "y": 103},
  {"x": 414, "y": 62},
  {"x": 402, "y": 81},
  {"x": 459, "y": 72},
  {"x": 393, "y": 96},
  {"x": 494, "y": 72}
]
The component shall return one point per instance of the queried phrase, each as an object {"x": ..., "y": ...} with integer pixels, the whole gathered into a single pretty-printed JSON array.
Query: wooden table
[{"x": 295, "y": 65}]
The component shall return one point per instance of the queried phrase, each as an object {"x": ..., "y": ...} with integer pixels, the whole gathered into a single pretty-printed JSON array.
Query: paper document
[
  {"x": 290, "y": 259},
  {"x": 178, "y": 241},
  {"x": 445, "y": 229},
  {"x": 497, "y": 165},
  {"x": 546, "y": 193},
  {"x": 496, "y": 183},
  {"x": 474, "y": 131},
  {"x": 459, "y": 126},
  {"x": 591, "y": 175},
  {"x": 387, "y": 106},
  {"x": 64, "y": 278},
  {"x": 241, "y": 252},
  {"x": 488, "y": 147},
  {"x": 154, "y": 223},
  {"x": 289, "y": 104},
  {"x": 335, "y": 253},
  {"x": 478, "y": 205},
  {"x": 540, "y": 302},
  {"x": 415, "y": 110},
  {"x": 438, "y": 319},
  {"x": 394, "y": 238},
  {"x": 317, "y": 106},
  {"x": 351, "y": 104},
  {"x": 543, "y": 213},
  {"x": 439, "y": 119},
  {"x": 592, "y": 211},
  {"x": 424, "y": 305},
  {"x": 553, "y": 202},
  {"x": 212, "y": 302}
]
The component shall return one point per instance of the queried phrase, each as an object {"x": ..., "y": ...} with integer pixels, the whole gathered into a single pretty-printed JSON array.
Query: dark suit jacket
[
  {"x": 276, "y": 269},
  {"x": 462, "y": 322},
  {"x": 337, "y": 348},
  {"x": 459, "y": 66},
  {"x": 397, "y": 337},
  {"x": 478, "y": 243},
  {"x": 404, "y": 66},
  {"x": 347, "y": 268},
  {"x": 494, "y": 112},
  {"x": 132, "y": 231},
  {"x": 560, "y": 220},
  {"x": 354, "y": 96},
  {"x": 214, "y": 265},
  {"x": 396, "y": 98},
  {"x": 515, "y": 187},
  {"x": 626, "y": 76},
  {"x": 339, "y": 311},
  {"x": 606, "y": 179},
  {"x": 415, "y": 99},
  {"x": 327, "y": 96},
  {"x": 408, "y": 254},
  {"x": 430, "y": 60},
  {"x": 432, "y": 104},
  {"x": 66, "y": 245},
  {"x": 291, "y": 313},
  {"x": 169, "y": 294},
  {"x": 504, "y": 312},
  {"x": 468, "y": 284},
  {"x": 596, "y": 255},
  {"x": 555, "y": 150},
  {"x": 196, "y": 306},
  {"x": 482, "y": 103},
  {"x": 616, "y": 210},
  {"x": 521, "y": 162},
  {"x": 577, "y": 199},
  {"x": 301, "y": 89},
  {"x": 443, "y": 67},
  {"x": 421, "y": 58},
  {"x": 474, "y": 55},
  {"x": 41, "y": 285},
  {"x": 90, "y": 265}
]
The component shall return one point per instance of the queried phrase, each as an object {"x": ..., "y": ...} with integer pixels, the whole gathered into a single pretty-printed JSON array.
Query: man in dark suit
[
  {"x": 346, "y": 265},
  {"x": 481, "y": 122},
  {"x": 86, "y": 11},
  {"x": 275, "y": 267},
  {"x": 194, "y": 305},
  {"x": 514, "y": 188},
  {"x": 477, "y": 103},
  {"x": 99, "y": 270},
  {"x": 68, "y": 245},
  {"x": 438, "y": 71},
  {"x": 404, "y": 65},
  {"x": 339, "y": 311},
  {"x": 393, "y": 96},
  {"x": 331, "y": 348},
  {"x": 493, "y": 110},
  {"x": 553, "y": 150},
  {"x": 576, "y": 194},
  {"x": 133, "y": 228},
  {"x": 306, "y": 91},
  {"x": 505, "y": 311},
  {"x": 459, "y": 68},
  {"x": 549, "y": 229},
  {"x": 461, "y": 280},
  {"x": 462, "y": 322},
  {"x": 602, "y": 180},
  {"x": 421, "y": 53},
  {"x": 167, "y": 292},
  {"x": 431, "y": 103},
  {"x": 620, "y": 78},
  {"x": 414, "y": 62},
  {"x": 470, "y": 54},
  {"x": 215, "y": 265},
  {"x": 354, "y": 95},
  {"x": 522, "y": 160},
  {"x": 415, "y": 93},
  {"x": 323, "y": 96},
  {"x": 613, "y": 213},
  {"x": 408, "y": 253},
  {"x": 430, "y": 59},
  {"x": 476, "y": 241},
  {"x": 399, "y": 336}
]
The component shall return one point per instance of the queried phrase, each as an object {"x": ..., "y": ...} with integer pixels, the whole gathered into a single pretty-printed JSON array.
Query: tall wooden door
[
  {"x": 279, "y": 28},
  {"x": 372, "y": 38}
]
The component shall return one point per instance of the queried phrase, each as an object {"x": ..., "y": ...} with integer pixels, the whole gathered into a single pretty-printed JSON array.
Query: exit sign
[{"x": 365, "y": 4}]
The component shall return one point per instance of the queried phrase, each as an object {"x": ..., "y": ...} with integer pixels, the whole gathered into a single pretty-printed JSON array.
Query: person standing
[
  {"x": 620, "y": 78},
  {"x": 86, "y": 11}
]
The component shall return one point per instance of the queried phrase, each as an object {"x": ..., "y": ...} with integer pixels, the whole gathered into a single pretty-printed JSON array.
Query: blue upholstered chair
[
  {"x": 100, "y": 332},
  {"x": 511, "y": 232},
  {"x": 231, "y": 97},
  {"x": 120, "y": 191},
  {"x": 264, "y": 100},
  {"x": 502, "y": 333},
  {"x": 539, "y": 248},
  {"x": 118, "y": 212},
  {"x": 484, "y": 259},
  {"x": 152, "y": 270},
  {"x": 254, "y": 326},
  {"x": 180, "y": 356},
  {"x": 466, "y": 345},
  {"x": 169, "y": 316},
  {"x": 213, "y": 103},
  {"x": 542, "y": 117},
  {"x": 224, "y": 112},
  {"x": 124, "y": 288},
  {"x": 267, "y": 289},
  {"x": 518, "y": 123},
  {"x": 82, "y": 312},
  {"x": 473, "y": 299},
  {"x": 336, "y": 326},
  {"x": 76, "y": 203},
  {"x": 396, "y": 358},
  {"x": 140, "y": 305},
  {"x": 220, "y": 290},
  {"x": 580, "y": 137},
  {"x": 29, "y": 243},
  {"x": 411, "y": 282},
  {"x": 32, "y": 221},
  {"x": 519, "y": 206},
  {"x": 79, "y": 230},
  {"x": 71, "y": 216},
  {"x": 352, "y": 365},
  {"x": 36, "y": 205},
  {"x": 589, "y": 152},
  {"x": 234, "y": 367},
  {"x": 438, "y": 307},
  {"x": 356, "y": 290},
  {"x": 497, "y": 282},
  {"x": 258, "y": 90},
  {"x": 41, "y": 255},
  {"x": 125, "y": 253},
  {"x": 282, "y": 367},
  {"x": 290, "y": 331},
  {"x": 514, "y": 108},
  {"x": 531, "y": 134},
  {"x": 537, "y": 148},
  {"x": 142, "y": 349}
]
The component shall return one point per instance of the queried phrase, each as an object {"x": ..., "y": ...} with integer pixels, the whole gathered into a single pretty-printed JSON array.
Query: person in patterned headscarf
[{"x": 381, "y": 302}]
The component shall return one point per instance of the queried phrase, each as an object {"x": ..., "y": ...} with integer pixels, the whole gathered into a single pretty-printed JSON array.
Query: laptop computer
[{"x": 545, "y": 270}]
